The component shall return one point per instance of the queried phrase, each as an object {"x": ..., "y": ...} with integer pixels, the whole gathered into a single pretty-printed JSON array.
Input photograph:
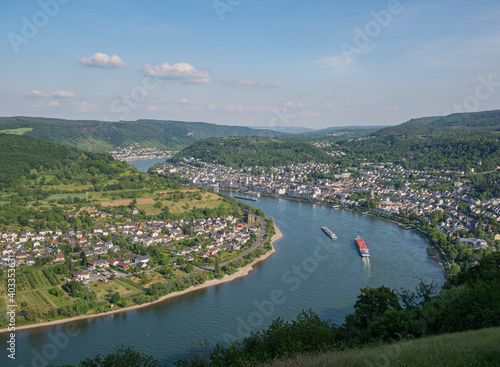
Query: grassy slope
[{"x": 472, "y": 348}]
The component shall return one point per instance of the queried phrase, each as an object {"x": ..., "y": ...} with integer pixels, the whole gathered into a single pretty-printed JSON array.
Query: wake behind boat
[{"x": 329, "y": 233}]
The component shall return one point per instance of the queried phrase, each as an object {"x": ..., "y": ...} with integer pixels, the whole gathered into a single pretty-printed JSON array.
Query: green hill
[
  {"x": 458, "y": 123},
  {"x": 252, "y": 151},
  {"x": 472, "y": 348},
  {"x": 103, "y": 136}
]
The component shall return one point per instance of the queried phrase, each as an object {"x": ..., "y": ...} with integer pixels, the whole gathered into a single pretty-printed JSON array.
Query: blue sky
[{"x": 249, "y": 62}]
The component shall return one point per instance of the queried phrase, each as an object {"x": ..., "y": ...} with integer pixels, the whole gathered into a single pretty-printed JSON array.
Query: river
[
  {"x": 144, "y": 164},
  {"x": 308, "y": 270}
]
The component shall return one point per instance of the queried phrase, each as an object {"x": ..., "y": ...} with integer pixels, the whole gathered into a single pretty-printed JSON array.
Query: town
[
  {"x": 136, "y": 152},
  {"x": 440, "y": 198}
]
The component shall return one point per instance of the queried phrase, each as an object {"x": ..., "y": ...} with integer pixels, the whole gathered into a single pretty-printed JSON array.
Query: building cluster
[
  {"x": 397, "y": 191},
  {"x": 224, "y": 233},
  {"x": 136, "y": 152}
]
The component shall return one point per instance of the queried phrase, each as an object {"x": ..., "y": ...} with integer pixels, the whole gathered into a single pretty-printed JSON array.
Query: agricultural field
[
  {"x": 65, "y": 196},
  {"x": 149, "y": 209},
  {"x": 58, "y": 301},
  {"x": 35, "y": 298},
  {"x": 19, "y": 131},
  {"x": 146, "y": 201},
  {"x": 179, "y": 206},
  {"x": 102, "y": 289}
]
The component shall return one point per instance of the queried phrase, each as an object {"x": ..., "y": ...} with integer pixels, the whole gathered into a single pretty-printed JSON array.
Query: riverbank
[{"x": 242, "y": 272}]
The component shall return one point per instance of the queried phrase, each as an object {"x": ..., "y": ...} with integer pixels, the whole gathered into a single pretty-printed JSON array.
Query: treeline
[
  {"x": 252, "y": 151},
  {"x": 450, "y": 152}
]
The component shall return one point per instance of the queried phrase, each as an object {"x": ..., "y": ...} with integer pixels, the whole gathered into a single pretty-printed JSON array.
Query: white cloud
[
  {"x": 182, "y": 72},
  {"x": 248, "y": 82},
  {"x": 103, "y": 61},
  {"x": 35, "y": 93},
  {"x": 83, "y": 106},
  {"x": 56, "y": 94},
  {"x": 63, "y": 94}
]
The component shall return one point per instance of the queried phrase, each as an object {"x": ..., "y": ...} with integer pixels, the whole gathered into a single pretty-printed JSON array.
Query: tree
[
  {"x": 115, "y": 298},
  {"x": 123, "y": 357},
  {"x": 33, "y": 312},
  {"x": 217, "y": 266},
  {"x": 371, "y": 305}
]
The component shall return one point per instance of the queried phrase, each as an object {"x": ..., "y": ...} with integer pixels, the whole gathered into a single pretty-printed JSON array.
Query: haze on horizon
[{"x": 250, "y": 63}]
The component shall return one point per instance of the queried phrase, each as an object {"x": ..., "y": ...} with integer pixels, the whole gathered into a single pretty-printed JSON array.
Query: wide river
[{"x": 308, "y": 271}]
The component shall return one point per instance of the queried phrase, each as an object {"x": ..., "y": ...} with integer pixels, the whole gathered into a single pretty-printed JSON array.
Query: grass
[
  {"x": 102, "y": 289},
  {"x": 19, "y": 131},
  {"x": 472, "y": 348},
  {"x": 65, "y": 196},
  {"x": 149, "y": 209},
  {"x": 58, "y": 301},
  {"x": 209, "y": 201}
]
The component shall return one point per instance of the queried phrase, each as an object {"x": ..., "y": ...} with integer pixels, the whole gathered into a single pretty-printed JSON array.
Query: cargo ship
[
  {"x": 363, "y": 250},
  {"x": 329, "y": 233}
]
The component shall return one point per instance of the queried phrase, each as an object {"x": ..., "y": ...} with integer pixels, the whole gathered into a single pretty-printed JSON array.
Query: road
[{"x": 258, "y": 241}]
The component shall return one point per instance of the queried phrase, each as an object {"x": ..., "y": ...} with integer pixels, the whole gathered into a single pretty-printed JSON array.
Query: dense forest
[
  {"x": 458, "y": 123},
  {"x": 448, "y": 152},
  {"x": 103, "y": 136},
  {"x": 244, "y": 152}
]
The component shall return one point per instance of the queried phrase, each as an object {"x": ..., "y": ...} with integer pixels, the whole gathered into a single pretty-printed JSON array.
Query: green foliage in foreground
[{"x": 471, "y": 348}]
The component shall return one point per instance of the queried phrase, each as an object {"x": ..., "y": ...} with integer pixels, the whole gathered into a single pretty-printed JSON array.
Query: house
[
  {"x": 59, "y": 257},
  {"x": 143, "y": 259},
  {"x": 112, "y": 262},
  {"x": 135, "y": 211},
  {"x": 122, "y": 266},
  {"x": 81, "y": 274},
  {"x": 141, "y": 265}
]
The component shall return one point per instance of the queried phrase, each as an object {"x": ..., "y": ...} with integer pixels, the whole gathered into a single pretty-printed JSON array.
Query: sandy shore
[{"x": 242, "y": 272}]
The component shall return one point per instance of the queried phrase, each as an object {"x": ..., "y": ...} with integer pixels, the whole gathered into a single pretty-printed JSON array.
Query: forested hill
[
  {"x": 252, "y": 151},
  {"x": 458, "y": 123},
  {"x": 103, "y": 136},
  {"x": 20, "y": 154}
]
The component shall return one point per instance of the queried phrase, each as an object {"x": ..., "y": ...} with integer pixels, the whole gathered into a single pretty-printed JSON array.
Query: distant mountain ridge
[
  {"x": 485, "y": 121},
  {"x": 104, "y": 136}
]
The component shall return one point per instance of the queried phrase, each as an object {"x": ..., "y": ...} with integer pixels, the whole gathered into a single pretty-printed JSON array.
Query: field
[
  {"x": 102, "y": 289},
  {"x": 19, "y": 131},
  {"x": 128, "y": 202},
  {"x": 209, "y": 201},
  {"x": 472, "y": 348},
  {"x": 65, "y": 196},
  {"x": 149, "y": 209},
  {"x": 58, "y": 301}
]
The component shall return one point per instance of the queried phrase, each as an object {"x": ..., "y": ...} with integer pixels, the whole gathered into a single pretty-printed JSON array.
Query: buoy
[{"x": 147, "y": 334}]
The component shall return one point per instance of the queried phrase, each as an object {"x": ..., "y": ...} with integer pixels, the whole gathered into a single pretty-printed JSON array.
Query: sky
[{"x": 291, "y": 63}]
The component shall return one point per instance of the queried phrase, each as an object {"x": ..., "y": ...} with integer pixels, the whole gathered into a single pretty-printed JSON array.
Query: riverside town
[{"x": 258, "y": 183}]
